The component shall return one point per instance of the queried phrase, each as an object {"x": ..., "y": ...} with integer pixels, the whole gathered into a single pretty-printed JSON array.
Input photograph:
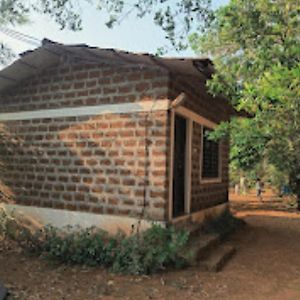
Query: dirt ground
[
  {"x": 266, "y": 266},
  {"x": 270, "y": 200}
]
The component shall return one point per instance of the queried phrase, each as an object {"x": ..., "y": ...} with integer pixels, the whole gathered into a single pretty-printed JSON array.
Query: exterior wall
[
  {"x": 198, "y": 100},
  {"x": 203, "y": 194},
  {"x": 93, "y": 163},
  {"x": 98, "y": 163},
  {"x": 60, "y": 218},
  {"x": 72, "y": 85}
]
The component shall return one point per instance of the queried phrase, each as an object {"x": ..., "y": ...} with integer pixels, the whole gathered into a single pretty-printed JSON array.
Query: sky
[{"x": 136, "y": 35}]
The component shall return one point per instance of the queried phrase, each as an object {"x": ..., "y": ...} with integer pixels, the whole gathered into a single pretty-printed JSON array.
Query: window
[{"x": 210, "y": 156}]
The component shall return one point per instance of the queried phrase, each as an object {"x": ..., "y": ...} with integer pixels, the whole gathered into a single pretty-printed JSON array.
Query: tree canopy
[{"x": 255, "y": 46}]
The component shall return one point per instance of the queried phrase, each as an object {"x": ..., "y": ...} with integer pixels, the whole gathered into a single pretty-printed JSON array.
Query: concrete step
[
  {"x": 217, "y": 258},
  {"x": 200, "y": 246},
  {"x": 193, "y": 228}
]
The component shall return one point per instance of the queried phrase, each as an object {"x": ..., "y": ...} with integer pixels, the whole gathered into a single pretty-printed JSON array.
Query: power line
[{"x": 25, "y": 38}]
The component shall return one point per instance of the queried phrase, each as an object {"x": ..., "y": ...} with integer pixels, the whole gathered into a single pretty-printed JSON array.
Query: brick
[
  {"x": 84, "y": 171},
  {"x": 139, "y": 193},
  {"x": 124, "y": 89},
  {"x": 67, "y": 197},
  {"x": 97, "y": 189},
  {"x": 86, "y": 153},
  {"x": 82, "y": 75},
  {"x": 83, "y": 207},
  {"x": 97, "y": 210},
  {"x": 92, "y": 101},
  {"x": 128, "y": 133},
  {"x": 94, "y": 74},
  {"x": 79, "y": 85},
  {"x": 129, "y": 182},
  {"x": 114, "y": 180},
  {"x": 71, "y": 188},
  {"x": 124, "y": 191},
  {"x": 87, "y": 180},
  {"x": 105, "y": 162},
  {"x": 63, "y": 178},
  {"x": 71, "y": 206},
  {"x": 142, "y": 87},
  {"x": 113, "y": 201},
  {"x": 128, "y": 202},
  {"x": 159, "y": 205},
  {"x": 91, "y": 162},
  {"x": 155, "y": 194},
  {"x": 79, "y": 197},
  {"x": 76, "y": 178},
  {"x": 100, "y": 180},
  {"x": 99, "y": 152}
]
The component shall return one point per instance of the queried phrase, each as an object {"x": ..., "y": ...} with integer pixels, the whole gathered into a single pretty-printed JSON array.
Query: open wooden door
[{"x": 179, "y": 165}]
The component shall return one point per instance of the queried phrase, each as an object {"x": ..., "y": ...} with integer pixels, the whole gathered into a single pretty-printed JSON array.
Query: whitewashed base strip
[
  {"x": 60, "y": 218},
  {"x": 143, "y": 106}
]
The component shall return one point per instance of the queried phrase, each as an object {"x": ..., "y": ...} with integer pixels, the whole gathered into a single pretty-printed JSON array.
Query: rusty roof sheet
[{"x": 51, "y": 53}]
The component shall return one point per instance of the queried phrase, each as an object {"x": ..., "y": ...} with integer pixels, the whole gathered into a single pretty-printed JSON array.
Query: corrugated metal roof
[{"x": 51, "y": 54}]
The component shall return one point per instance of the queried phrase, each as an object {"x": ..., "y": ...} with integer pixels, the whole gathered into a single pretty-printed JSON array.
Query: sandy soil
[
  {"x": 266, "y": 266},
  {"x": 270, "y": 200}
]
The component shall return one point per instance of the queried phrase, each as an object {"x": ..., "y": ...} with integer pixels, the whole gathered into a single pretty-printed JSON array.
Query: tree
[
  {"x": 17, "y": 12},
  {"x": 256, "y": 50},
  {"x": 176, "y": 17}
]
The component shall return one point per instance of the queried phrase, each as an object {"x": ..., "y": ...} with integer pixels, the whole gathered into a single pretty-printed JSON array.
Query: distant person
[
  {"x": 285, "y": 190},
  {"x": 243, "y": 185},
  {"x": 259, "y": 188},
  {"x": 237, "y": 189}
]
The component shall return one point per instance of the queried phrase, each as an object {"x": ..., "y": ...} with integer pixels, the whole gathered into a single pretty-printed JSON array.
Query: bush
[
  {"x": 153, "y": 250},
  {"x": 143, "y": 253},
  {"x": 3, "y": 222}
]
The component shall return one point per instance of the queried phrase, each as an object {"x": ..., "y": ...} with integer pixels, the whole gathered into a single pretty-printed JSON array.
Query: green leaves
[
  {"x": 13, "y": 12},
  {"x": 256, "y": 49},
  {"x": 143, "y": 253}
]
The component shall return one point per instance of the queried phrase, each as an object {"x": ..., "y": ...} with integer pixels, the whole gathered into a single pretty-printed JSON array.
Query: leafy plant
[
  {"x": 144, "y": 253},
  {"x": 3, "y": 222},
  {"x": 151, "y": 251}
]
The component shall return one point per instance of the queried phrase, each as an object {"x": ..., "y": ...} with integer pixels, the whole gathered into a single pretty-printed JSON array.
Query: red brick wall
[
  {"x": 78, "y": 85},
  {"x": 94, "y": 164},
  {"x": 206, "y": 195},
  {"x": 199, "y": 101},
  {"x": 203, "y": 195},
  {"x": 97, "y": 163}
]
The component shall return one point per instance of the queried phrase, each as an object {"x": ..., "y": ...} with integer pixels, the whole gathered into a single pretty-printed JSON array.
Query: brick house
[{"x": 101, "y": 137}]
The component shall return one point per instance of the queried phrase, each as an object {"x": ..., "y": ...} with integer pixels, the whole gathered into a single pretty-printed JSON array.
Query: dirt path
[
  {"x": 266, "y": 266},
  {"x": 270, "y": 201}
]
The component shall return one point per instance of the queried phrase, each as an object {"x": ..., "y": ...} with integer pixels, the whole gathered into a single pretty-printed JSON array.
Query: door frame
[
  {"x": 188, "y": 160},
  {"x": 190, "y": 117}
]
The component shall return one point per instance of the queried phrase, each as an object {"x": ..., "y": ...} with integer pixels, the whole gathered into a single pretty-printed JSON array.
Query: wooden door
[{"x": 179, "y": 165}]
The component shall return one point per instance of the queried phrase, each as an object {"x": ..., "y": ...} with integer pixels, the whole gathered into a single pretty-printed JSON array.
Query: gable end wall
[{"x": 93, "y": 163}]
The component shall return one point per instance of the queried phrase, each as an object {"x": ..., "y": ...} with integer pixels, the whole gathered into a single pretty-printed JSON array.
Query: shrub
[
  {"x": 81, "y": 246},
  {"x": 153, "y": 250},
  {"x": 142, "y": 253},
  {"x": 3, "y": 222}
]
